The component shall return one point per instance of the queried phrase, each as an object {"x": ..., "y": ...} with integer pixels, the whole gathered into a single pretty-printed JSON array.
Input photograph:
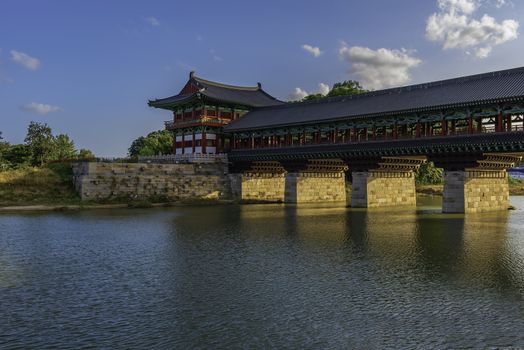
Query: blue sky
[{"x": 87, "y": 68}]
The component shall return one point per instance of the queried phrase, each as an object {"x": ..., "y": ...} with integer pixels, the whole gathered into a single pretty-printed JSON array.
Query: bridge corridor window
[{"x": 488, "y": 124}]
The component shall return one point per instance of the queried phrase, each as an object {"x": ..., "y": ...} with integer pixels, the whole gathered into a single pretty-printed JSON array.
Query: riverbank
[
  {"x": 91, "y": 206},
  {"x": 51, "y": 189},
  {"x": 51, "y": 185}
]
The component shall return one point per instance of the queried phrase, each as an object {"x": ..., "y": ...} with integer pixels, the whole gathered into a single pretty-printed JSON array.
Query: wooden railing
[
  {"x": 170, "y": 124},
  {"x": 185, "y": 158}
]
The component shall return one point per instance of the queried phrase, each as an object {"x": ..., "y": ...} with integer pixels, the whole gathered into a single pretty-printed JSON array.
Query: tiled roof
[
  {"x": 475, "y": 90},
  {"x": 240, "y": 95}
]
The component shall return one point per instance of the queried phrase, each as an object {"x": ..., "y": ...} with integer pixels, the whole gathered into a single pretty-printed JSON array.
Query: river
[{"x": 262, "y": 276}]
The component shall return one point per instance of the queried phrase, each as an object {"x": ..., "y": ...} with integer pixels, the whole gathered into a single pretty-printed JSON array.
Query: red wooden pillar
[
  {"x": 499, "y": 125},
  {"x": 418, "y": 127},
  {"x": 183, "y": 143},
  {"x": 470, "y": 125},
  {"x": 204, "y": 142},
  {"x": 395, "y": 131},
  {"x": 508, "y": 123},
  {"x": 444, "y": 126},
  {"x": 193, "y": 142}
]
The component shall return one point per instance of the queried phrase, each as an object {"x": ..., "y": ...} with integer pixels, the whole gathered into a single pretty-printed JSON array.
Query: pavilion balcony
[{"x": 170, "y": 125}]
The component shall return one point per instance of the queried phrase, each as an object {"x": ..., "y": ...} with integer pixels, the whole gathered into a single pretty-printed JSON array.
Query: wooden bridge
[{"x": 472, "y": 127}]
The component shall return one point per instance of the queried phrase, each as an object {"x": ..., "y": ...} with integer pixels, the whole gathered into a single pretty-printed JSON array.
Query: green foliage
[
  {"x": 85, "y": 154},
  {"x": 40, "y": 140},
  {"x": 16, "y": 156},
  {"x": 38, "y": 185},
  {"x": 428, "y": 174},
  {"x": 63, "y": 148},
  {"x": 313, "y": 97},
  {"x": 156, "y": 142},
  {"x": 39, "y": 149},
  {"x": 347, "y": 87}
]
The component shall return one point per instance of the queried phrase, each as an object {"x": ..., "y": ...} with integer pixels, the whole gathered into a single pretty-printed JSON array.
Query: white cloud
[
  {"x": 215, "y": 56},
  {"x": 25, "y": 60},
  {"x": 500, "y": 3},
  {"x": 323, "y": 89},
  {"x": 41, "y": 108},
  {"x": 6, "y": 80},
  {"x": 298, "y": 94},
  {"x": 315, "y": 51},
  {"x": 377, "y": 69},
  {"x": 453, "y": 6},
  {"x": 454, "y": 28},
  {"x": 153, "y": 21}
]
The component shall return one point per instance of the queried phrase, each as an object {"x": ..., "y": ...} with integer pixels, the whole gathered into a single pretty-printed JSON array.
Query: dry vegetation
[{"x": 28, "y": 186}]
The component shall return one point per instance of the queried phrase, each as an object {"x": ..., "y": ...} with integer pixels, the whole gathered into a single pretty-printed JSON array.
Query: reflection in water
[{"x": 262, "y": 276}]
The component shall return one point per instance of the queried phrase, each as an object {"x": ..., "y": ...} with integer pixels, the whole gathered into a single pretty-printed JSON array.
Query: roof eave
[{"x": 229, "y": 128}]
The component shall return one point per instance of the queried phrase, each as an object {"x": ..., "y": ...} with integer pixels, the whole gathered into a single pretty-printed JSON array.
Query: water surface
[{"x": 262, "y": 276}]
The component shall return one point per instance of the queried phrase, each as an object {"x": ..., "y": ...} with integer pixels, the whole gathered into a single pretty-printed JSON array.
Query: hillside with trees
[{"x": 38, "y": 171}]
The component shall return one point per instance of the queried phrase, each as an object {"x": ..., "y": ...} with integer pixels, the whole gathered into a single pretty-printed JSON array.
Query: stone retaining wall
[{"x": 145, "y": 180}]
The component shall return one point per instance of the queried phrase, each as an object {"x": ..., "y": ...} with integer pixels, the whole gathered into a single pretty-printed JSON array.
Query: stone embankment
[{"x": 188, "y": 181}]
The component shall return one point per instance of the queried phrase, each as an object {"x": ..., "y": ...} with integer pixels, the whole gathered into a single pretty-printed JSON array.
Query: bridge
[{"x": 472, "y": 127}]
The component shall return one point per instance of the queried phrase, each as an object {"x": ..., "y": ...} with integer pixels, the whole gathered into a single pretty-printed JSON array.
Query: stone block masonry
[
  {"x": 383, "y": 189},
  {"x": 475, "y": 191},
  {"x": 309, "y": 187},
  {"x": 95, "y": 181},
  {"x": 262, "y": 187}
]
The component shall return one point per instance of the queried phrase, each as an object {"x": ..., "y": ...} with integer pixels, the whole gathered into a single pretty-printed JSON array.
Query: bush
[{"x": 429, "y": 174}]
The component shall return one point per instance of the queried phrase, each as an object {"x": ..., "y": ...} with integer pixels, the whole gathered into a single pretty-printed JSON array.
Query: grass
[{"x": 52, "y": 184}]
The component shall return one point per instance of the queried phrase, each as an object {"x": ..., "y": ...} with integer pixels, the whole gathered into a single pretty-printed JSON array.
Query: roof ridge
[{"x": 236, "y": 87}]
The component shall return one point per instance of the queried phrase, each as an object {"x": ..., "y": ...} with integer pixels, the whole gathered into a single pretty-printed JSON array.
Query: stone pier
[
  {"x": 475, "y": 191},
  {"x": 317, "y": 181},
  {"x": 480, "y": 189},
  {"x": 264, "y": 182},
  {"x": 392, "y": 183}
]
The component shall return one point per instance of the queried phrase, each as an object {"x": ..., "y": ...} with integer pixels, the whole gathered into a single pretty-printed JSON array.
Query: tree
[
  {"x": 313, "y": 97},
  {"x": 85, "y": 154},
  {"x": 347, "y": 87},
  {"x": 136, "y": 146},
  {"x": 17, "y": 155},
  {"x": 156, "y": 142},
  {"x": 4, "y": 147},
  {"x": 40, "y": 141},
  {"x": 429, "y": 174},
  {"x": 63, "y": 148}
]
